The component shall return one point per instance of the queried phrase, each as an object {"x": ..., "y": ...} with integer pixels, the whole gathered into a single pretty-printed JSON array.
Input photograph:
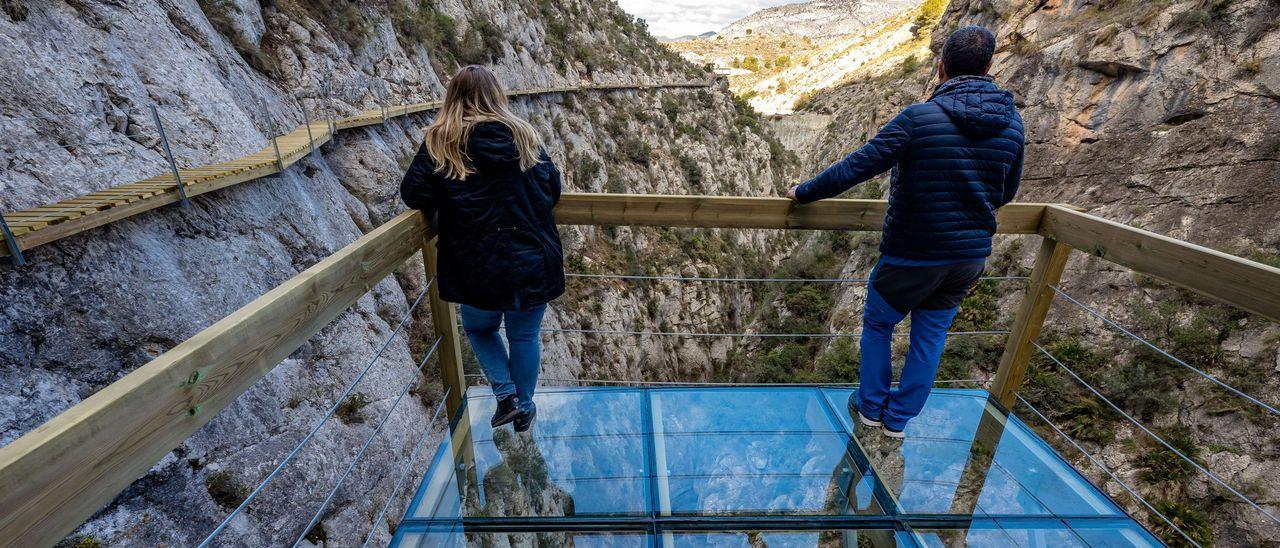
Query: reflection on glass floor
[{"x": 752, "y": 466}]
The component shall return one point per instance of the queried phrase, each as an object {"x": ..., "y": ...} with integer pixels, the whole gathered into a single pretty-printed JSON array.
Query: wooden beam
[
  {"x": 1050, "y": 262},
  {"x": 1239, "y": 282},
  {"x": 752, "y": 212},
  {"x": 444, "y": 320},
  {"x": 58, "y": 475}
]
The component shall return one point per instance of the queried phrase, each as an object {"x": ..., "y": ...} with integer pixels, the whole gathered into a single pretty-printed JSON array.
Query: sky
[{"x": 681, "y": 17}]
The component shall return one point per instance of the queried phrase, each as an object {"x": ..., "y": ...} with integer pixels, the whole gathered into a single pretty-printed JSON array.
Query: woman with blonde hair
[{"x": 488, "y": 187}]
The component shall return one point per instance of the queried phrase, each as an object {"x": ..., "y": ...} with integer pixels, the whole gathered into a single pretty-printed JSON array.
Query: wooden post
[
  {"x": 445, "y": 321},
  {"x": 1026, "y": 325}
]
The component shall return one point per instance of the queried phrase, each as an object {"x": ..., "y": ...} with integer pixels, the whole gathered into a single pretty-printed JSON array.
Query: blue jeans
[
  {"x": 928, "y": 337},
  {"x": 515, "y": 373}
]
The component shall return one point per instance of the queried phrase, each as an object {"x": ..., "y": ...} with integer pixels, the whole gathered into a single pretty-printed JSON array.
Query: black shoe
[
  {"x": 525, "y": 420},
  {"x": 507, "y": 412}
]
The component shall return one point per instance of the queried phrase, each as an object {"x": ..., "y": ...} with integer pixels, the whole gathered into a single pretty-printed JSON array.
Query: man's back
[
  {"x": 963, "y": 161},
  {"x": 956, "y": 158}
]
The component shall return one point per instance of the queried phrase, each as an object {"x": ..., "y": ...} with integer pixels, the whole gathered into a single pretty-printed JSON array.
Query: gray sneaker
[{"x": 855, "y": 411}]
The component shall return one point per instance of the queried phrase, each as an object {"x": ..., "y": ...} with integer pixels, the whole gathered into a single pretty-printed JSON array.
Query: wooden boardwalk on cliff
[{"x": 41, "y": 225}]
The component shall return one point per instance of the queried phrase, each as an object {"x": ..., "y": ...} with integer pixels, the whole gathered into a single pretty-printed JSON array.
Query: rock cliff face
[
  {"x": 817, "y": 19},
  {"x": 1161, "y": 115},
  {"x": 78, "y": 77}
]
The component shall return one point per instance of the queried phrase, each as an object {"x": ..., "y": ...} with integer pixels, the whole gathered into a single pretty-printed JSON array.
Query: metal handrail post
[
  {"x": 311, "y": 141},
  {"x": 15, "y": 252},
  {"x": 328, "y": 105},
  {"x": 271, "y": 129},
  {"x": 173, "y": 165}
]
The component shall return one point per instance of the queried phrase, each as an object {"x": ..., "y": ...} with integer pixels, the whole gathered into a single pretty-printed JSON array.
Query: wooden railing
[
  {"x": 56, "y": 476},
  {"x": 29, "y": 228}
]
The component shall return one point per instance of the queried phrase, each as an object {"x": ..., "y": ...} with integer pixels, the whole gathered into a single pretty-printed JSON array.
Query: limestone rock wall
[
  {"x": 1161, "y": 115},
  {"x": 78, "y": 76}
]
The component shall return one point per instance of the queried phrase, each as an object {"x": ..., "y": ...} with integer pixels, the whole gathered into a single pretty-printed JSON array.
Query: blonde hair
[{"x": 474, "y": 95}]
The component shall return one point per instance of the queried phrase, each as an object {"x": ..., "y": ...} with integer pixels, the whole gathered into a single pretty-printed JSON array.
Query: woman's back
[
  {"x": 490, "y": 189},
  {"x": 499, "y": 246}
]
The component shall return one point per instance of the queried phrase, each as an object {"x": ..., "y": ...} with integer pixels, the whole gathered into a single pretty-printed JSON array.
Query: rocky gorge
[
  {"x": 78, "y": 79},
  {"x": 1160, "y": 115}
]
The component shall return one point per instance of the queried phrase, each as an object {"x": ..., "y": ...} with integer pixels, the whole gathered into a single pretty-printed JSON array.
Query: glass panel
[
  {"x": 787, "y": 539},
  {"x": 586, "y": 455},
  {"x": 1023, "y": 534},
  {"x": 1113, "y": 532},
  {"x": 747, "y": 409},
  {"x": 753, "y": 451},
  {"x": 961, "y": 456},
  {"x": 454, "y": 536}
]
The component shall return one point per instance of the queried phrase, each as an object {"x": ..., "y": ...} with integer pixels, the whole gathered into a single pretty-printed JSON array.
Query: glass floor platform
[{"x": 752, "y": 466}]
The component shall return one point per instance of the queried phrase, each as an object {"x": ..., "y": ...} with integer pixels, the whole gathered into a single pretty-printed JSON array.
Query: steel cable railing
[
  {"x": 319, "y": 424},
  {"x": 744, "y": 335},
  {"x": 367, "y": 442},
  {"x": 709, "y": 383},
  {"x": 404, "y": 473},
  {"x": 1107, "y": 470},
  {"x": 750, "y": 280},
  {"x": 1095, "y": 313},
  {"x": 1157, "y": 437}
]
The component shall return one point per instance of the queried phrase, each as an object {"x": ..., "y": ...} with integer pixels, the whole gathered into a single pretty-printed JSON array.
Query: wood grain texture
[
  {"x": 56, "y": 476},
  {"x": 444, "y": 321},
  {"x": 752, "y": 212},
  {"x": 123, "y": 201},
  {"x": 1050, "y": 262},
  {"x": 1239, "y": 282}
]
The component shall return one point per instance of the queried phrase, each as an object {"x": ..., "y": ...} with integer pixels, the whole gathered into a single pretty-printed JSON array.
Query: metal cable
[
  {"x": 1161, "y": 351},
  {"x": 1104, "y": 468},
  {"x": 748, "y": 335},
  {"x": 316, "y": 428},
  {"x": 1175, "y": 450},
  {"x": 404, "y": 474},
  {"x": 356, "y": 459},
  {"x": 752, "y": 280},
  {"x": 741, "y": 384}
]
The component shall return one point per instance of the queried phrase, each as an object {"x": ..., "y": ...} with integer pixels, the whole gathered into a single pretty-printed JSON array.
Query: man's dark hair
[{"x": 968, "y": 51}]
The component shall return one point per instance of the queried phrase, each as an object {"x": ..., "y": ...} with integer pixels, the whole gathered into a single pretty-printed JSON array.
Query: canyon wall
[{"x": 79, "y": 76}]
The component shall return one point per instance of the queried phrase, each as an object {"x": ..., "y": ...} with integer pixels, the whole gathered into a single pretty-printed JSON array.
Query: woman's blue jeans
[{"x": 509, "y": 373}]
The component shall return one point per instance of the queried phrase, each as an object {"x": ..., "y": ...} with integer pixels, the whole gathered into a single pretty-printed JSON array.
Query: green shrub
[
  {"x": 586, "y": 168},
  {"x": 483, "y": 43},
  {"x": 349, "y": 411},
  {"x": 692, "y": 171},
  {"x": 807, "y": 301},
  {"x": 220, "y": 14},
  {"x": 15, "y": 9},
  {"x": 636, "y": 150},
  {"x": 671, "y": 108},
  {"x": 910, "y": 64},
  {"x": 780, "y": 364},
  {"x": 1193, "y": 523},
  {"x": 1161, "y": 466}
]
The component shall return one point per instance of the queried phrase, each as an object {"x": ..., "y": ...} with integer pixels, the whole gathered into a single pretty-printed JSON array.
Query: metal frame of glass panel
[{"x": 458, "y": 471}]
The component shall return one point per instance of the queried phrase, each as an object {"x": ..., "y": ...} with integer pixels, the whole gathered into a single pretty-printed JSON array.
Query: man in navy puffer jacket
[{"x": 956, "y": 158}]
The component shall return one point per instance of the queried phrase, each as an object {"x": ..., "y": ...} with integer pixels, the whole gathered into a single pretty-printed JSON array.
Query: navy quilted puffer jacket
[{"x": 955, "y": 158}]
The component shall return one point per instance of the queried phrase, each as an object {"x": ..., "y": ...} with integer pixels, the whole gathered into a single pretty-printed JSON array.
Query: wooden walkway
[{"x": 41, "y": 225}]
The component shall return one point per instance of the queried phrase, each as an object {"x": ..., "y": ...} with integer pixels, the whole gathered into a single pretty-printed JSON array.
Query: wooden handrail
[
  {"x": 56, "y": 476},
  {"x": 1249, "y": 285},
  {"x": 59, "y": 474},
  {"x": 41, "y": 225},
  {"x": 753, "y": 212}
]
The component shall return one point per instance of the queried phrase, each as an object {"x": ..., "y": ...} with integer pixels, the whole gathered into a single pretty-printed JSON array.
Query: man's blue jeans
[
  {"x": 509, "y": 373},
  {"x": 928, "y": 338}
]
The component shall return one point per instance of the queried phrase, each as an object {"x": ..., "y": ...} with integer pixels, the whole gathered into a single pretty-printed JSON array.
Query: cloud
[{"x": 681, "y": 17}]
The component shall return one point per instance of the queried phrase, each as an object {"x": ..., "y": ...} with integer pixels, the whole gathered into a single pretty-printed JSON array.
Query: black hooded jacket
[
  {"x": 499, "y": 246},
  {"x": 956, "y": 158}
]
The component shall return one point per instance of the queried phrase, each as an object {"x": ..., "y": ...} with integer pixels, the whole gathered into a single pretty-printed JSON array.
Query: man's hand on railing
[{"x": 791, "y": 192}]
